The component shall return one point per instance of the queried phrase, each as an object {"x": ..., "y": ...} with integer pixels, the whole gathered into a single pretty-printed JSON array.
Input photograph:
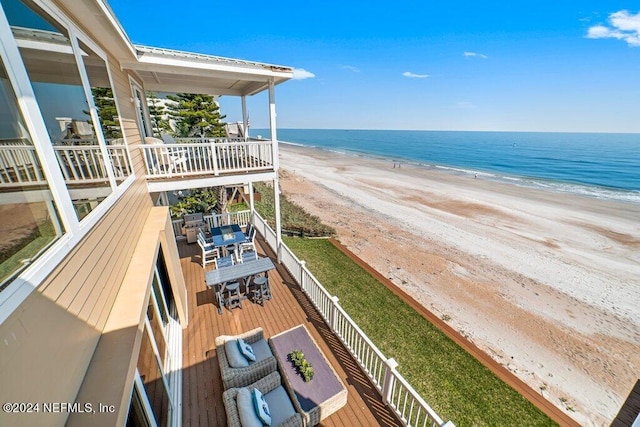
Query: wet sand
[{"x": 546, "y": 283}]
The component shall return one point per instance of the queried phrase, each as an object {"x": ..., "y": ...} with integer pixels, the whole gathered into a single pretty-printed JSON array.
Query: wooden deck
[{"x": 202, "y": 386}]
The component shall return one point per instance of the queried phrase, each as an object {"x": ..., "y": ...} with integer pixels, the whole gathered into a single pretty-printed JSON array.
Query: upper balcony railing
[
  {"x": 81, "y": 162},
  {"x": 207, "y": 156}
]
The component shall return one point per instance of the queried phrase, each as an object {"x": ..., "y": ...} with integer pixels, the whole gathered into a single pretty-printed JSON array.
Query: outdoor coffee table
[{"x": 324, "y": 394}]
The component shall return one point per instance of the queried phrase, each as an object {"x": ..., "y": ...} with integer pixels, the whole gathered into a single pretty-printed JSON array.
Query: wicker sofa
[
  {"x": 281, "y": 403},
  {"x": 242, "y": 376}
]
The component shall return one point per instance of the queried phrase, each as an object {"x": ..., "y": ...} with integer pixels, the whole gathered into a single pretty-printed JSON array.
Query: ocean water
[{"x": 601, "y": 165}]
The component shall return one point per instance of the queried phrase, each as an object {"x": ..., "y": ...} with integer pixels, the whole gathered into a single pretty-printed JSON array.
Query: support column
[
  {"x": 252, "y": 205},
  {"x": 276, "y": 198},
  {"x": 245, "y": 118},
  {"x": 272, "y": 125},
  {"x": 276, "y": 164}
]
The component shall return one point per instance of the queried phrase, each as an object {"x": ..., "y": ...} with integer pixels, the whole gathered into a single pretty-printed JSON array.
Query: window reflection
[
  {"x": 28, "y": 216},
  {"x": 48, "y": 56},
  {"x": 105, "y": 103},
  {"x": 152, "y": 379}
]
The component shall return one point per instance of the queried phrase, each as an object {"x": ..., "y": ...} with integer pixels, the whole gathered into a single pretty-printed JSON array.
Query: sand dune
[{"x": 547, "y": 284}]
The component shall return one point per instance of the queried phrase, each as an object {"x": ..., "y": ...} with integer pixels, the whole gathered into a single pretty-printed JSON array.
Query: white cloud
[
  {"x": 351, "y": 68},
  {"x": 622, "y": 26},
  {"x": 414, "y": 75},
  {"x": 474, "y": 54},
  {"x": 301, "y": 74}
]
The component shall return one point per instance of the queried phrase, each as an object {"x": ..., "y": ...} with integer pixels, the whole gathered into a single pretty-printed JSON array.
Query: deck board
[{"x": 202, "y": 385}]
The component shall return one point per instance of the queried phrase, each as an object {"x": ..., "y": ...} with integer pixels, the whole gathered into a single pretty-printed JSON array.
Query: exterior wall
[
  {"x": 109, "y": 379},
  {"x": 49, "y": 341}
]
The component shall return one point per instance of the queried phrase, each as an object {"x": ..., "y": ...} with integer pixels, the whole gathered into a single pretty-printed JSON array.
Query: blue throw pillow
[
  {"x": 246, "y": 411},
  {"x": 261, "y": 407},
  {"x": 246, "y": 350}
]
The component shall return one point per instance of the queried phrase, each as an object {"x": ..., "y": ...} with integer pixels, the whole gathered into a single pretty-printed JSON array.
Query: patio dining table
[
  {"x": 215, "y": 278},
  {"x": 226, "y": 235}
]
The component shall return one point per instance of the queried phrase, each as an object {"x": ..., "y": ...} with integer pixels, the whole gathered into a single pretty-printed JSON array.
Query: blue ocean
[{"x": 601, "y": 165}]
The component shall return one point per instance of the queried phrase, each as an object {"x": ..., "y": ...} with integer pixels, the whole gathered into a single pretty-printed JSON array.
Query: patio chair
[
  {"x": 239, "y": 405},
  {"x": 167, "y": 139},
  {"x": 231, "y": 294},
  {"x": 209, "y": 252},
  {"x": 257, "y": 289},
  {"x": 247, "y": 230},
  {"x": 225, "y": 261},
  {"x": 231, "y": 370},
  {"x": 249, "y": 245},
  {"x": 248, "y": 256},
  {"x": 168, "y": 159}
]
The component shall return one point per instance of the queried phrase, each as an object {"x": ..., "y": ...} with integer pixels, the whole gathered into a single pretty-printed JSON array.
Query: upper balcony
[
  {"x": 189, "y": 159},
  {"x": 81, "y": 161},
  {"x": 196, "y": 160}
]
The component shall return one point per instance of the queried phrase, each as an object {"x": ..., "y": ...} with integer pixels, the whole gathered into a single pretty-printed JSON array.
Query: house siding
[{"x": 48, "y": 342}]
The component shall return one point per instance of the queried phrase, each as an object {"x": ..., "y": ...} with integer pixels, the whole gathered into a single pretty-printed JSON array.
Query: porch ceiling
[{"x": 165, "y": 70}]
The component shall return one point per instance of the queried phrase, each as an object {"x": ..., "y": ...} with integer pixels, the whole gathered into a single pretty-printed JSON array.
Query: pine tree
[
  {"x": 106, "y": 106},
  {"x": 196, "y": 115},
  {"x": 157, "y": 113}
]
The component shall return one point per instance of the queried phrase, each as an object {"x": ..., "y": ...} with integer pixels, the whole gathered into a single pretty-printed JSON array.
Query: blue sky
[{"x": 456, "y": 65}]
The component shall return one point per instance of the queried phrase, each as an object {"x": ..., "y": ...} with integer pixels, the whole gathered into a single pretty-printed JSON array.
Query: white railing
[
  {"x": 82, "y": 163},
  {"x": 242, "y": 218},
  {"x": 410, "y": 408},
  {"x": 120, "y": 161},
  {"x": 19, "y": 164},
  {"x": 211, "y": 156}
]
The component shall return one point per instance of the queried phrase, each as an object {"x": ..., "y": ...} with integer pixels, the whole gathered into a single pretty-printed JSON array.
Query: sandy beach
[{"x": 548, "y": 284}]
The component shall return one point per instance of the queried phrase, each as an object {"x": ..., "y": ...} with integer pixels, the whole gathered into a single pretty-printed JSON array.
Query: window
[
  {"x": 66, "y": 76},
  {"x": 159, "y": 362},
  {"x": 107, "y": 112},
  {"x": 153, "y": 379},
  {"x": 142, "y": 111},
  {"x": 29, "y": 220},
  {"x": 138, "y": 411},
  {"x": 61, "y": 148}
]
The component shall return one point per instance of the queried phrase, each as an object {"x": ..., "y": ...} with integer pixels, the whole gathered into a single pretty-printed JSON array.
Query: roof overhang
[{"x": 165, "y": 70}]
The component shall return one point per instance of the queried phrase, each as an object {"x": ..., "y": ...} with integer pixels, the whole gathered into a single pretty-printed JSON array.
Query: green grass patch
[
  {"x": 454, "y": 383},
  {"x": 26, "y": 248}
]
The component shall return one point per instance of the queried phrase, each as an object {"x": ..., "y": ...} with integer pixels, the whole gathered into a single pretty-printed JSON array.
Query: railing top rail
[
  {"x": 13, "y": 141},
  {"x": 198, "y": 142}
]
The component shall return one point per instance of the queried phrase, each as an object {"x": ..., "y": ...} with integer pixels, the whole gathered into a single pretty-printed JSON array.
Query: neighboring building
[{"x": 90, "y": 275}]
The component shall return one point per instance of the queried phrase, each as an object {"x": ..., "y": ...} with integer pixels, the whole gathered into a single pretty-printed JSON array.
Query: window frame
[{"x": 75, "y": 230}]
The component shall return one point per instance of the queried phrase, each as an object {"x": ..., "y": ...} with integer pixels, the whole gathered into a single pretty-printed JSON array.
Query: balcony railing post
[
  {"x": 214, "y": 157},
  {"x": 333, "y": 316},
  {"x": 303, "y": 277},
  {"x": 389, "y": 378}
]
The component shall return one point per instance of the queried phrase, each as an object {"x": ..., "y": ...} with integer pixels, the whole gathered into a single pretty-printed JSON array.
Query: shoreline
[
  {"x": 597, "y": 192},
  {"x": 542, "y": 282}
]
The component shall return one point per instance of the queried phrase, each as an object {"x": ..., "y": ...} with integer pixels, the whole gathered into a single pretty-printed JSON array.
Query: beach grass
[
  {"x": 457, "y": 386},
  {"x": 294, "y": 218}
]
